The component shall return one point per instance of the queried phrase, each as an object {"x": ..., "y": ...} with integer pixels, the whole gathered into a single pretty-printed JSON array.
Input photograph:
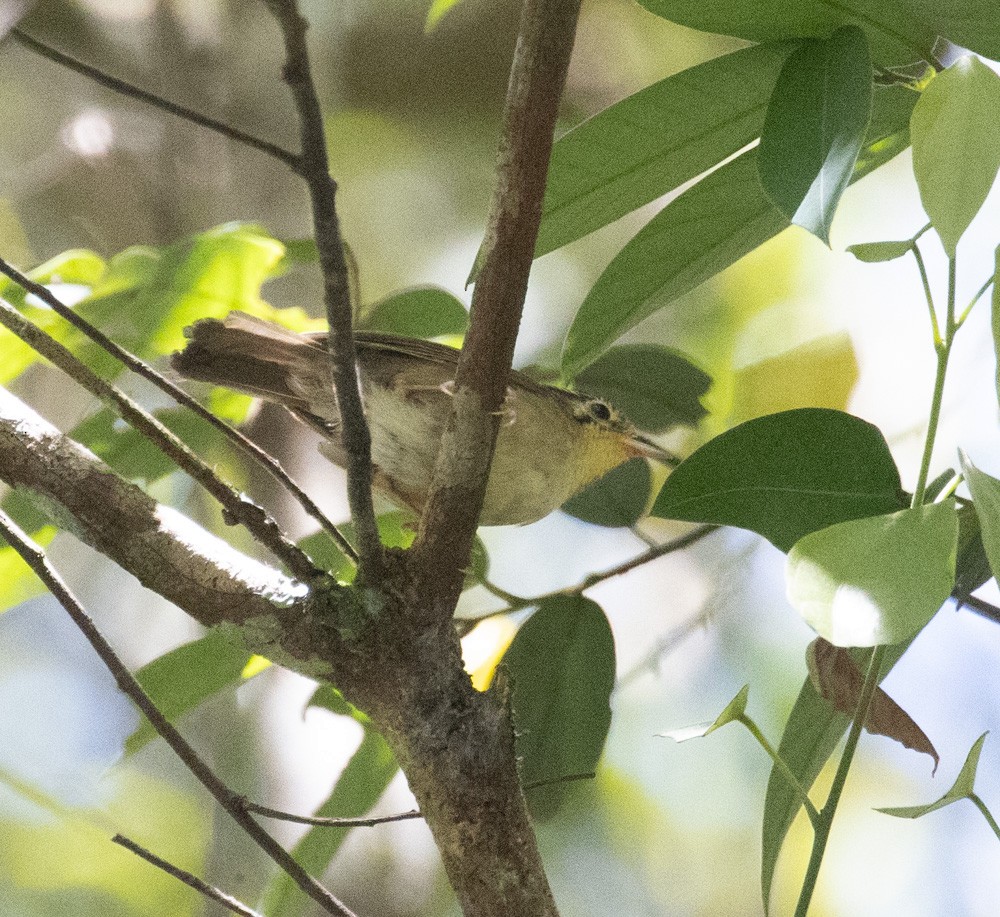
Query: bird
[{"x": 551, "y": 444}]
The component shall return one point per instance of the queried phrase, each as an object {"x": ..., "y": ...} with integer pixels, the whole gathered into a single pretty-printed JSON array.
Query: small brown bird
[{"x": 552, "y": 442}]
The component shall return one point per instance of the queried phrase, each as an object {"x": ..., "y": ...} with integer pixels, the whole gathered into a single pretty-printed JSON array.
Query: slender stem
[
  {"x": 209, "y": 891},
  {"x": 237, "y": 507},
  {"x": 314, "y": 167},
  {"x": 122, "y": 87},
  {"x": 928, "y": 296},
  {"x": 943, "y": 350},
  {"x": 824, "y": 823},
  {"x": 141, "y": 368},
  {"x": 783, "y": 767},
  {"x": 979, "y": 295},
  {"x": 990, "y": 820},
  {"x": 36, "y": 559},
  {"x": 516, "y": 602}
]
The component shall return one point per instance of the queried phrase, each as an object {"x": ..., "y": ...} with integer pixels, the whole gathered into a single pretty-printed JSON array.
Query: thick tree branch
[
  {"x": 314, "y": 167},
  {"x": 538, "y": 73}
]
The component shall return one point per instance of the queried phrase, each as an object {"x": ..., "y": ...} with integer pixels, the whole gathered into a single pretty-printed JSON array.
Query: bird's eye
[{"x": 599, "y": 410}]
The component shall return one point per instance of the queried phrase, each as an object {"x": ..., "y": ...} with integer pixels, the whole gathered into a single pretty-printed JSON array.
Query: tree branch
[
  {"x": 237, "y": 507},
  {"x": 314, "y": 167},
  {"x": 35, "y": 558},
  {"x": 209, "y": 891},
  {"x": 134, "y": 92},
  {"x": 140, "y": 368},
  {"x": 538, "y": 73}
]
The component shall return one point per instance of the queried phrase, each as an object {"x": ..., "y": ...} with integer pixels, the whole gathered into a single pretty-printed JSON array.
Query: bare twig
[
  {"x": 314, "y": 167},
  {"x": 209, "y": 891},
  {"x": 322, "y": 822},
  {"x": 35, "y": 558},
  {"x": 538, "y": 73},
  {"x": 141, "y": 368},
  {"x": 122, "y": 87},
  {"x": 238, "y": 508}
]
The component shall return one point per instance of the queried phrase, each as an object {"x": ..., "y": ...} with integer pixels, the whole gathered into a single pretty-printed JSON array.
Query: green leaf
[
  {"x": 395, "y": 529},
  {"x": 654, "y": 387},
  {"x": 962, "y": 788},
  {"x": 185, "y": 677},
  {"x": 972, "y": 567},
  {"x": 874, "y": 252},
  {"x": 872, "y": 581},
  {"x": 733, "y": 711},
  {"x": 359, "y": 787},
  {"x": 654, "y": 141},
  {"x": 423, "y": 312},
  {"x": 785, "y": 475},
  {"x": 995, "y": 319},
  {"x": 709, "y": 227},
  {"x": 617, "y": 500},
  {"x": 327, "y": 697},
  {"x": 985, "y": 491},
  {"x": 815, "y": 126},
  {"x": 561, "y": 666},
  {"x": 899, "y": 31},
  {"x": 956, "y": 145},
  {"x": 706, "y": 229}
]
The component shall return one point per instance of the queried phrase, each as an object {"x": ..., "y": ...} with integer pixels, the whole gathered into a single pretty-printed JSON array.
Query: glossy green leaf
[
  {"x": 423, "y": 312},
  {"x": 561, "y": 666},
  {"x": 985, "y": 491},
  {"x": 874, "y": 252},
  {"x": 733, "y": 711},
  {"x": 186, "y": 677},
  {"x": 879, "y": 580},
  {"x": 654, "y": 387},
  {"x": 359, "y": 787},
  {"x": 785, "y": 475},
  {"x": 899, "y": 31},
  {"x": 655, "y": 140},
  {"x": 963, "y": 787},
  {"x": 617, "y": 500},
  {"x": 709, "y": 227},
  {"x": 815, "y": 126},
  {"x": 956, "y": 145}
]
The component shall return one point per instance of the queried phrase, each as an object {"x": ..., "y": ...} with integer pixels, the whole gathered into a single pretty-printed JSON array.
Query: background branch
[{"x": 134, "y": 92}]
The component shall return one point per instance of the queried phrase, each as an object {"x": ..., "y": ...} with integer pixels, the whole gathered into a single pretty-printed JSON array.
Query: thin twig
[
  {"x": 314, "y": 167},
  {"x": 36, "y": 559},
  {"x": 319, "y": 821},
  {"x": 143, "y": 369},
  {"x": 209, "y": 891},
  {"x": 237, "y": 507},
  {"x": 122, "y": 87}
]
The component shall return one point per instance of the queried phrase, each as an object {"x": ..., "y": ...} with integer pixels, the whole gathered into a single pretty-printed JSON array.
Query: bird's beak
[{"x": 641, "y": 447}]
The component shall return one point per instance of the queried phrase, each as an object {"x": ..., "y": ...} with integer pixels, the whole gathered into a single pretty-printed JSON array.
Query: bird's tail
[{"x": 257, "y": 357}]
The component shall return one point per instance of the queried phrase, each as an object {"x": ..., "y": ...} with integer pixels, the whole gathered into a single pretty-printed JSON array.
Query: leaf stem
[
  {"x": 928, "y": 296},
  {"x": 943, "y": 350},
  {"x": 990, "y": 820},
  {"x": 824, "y": 823},
  {"x": 786, "y": 771}
]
